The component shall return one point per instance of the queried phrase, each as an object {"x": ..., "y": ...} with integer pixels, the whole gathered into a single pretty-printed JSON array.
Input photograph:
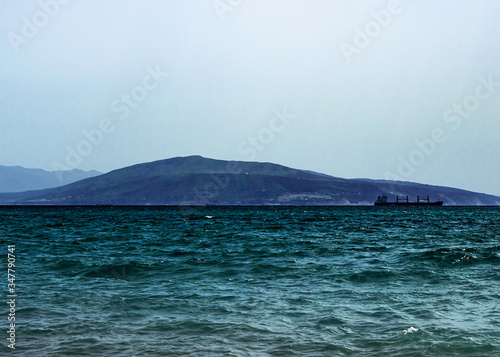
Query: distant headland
[{"x": 195, "y": 180}]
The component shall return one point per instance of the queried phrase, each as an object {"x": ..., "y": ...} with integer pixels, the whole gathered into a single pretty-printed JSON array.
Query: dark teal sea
[{"x": 213, "y": 281}]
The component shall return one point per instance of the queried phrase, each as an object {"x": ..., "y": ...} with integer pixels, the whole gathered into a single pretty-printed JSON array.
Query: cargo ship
[{"x": 382, "y": 201}]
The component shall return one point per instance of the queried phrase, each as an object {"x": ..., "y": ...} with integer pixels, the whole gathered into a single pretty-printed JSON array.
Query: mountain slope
[
  {"x": 19, "y": 179},
  {"x": 196, "y": 180}
]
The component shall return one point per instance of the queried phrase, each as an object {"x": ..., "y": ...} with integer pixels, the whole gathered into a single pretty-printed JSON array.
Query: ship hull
[{"x": 411, "y": 204}]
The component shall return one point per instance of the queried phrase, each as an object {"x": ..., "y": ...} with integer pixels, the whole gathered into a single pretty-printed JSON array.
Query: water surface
[{"x": 255, "y": 281}]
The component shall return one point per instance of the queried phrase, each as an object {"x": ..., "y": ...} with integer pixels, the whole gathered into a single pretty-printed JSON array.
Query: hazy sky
[{"x": 351, "y": 88}]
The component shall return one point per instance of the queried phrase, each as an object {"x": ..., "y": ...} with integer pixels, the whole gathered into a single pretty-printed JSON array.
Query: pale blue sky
[{"x": 357, "y": 93}]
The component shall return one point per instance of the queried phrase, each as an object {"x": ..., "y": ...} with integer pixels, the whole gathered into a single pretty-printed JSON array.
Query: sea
[{"x": 250, "y": 281}]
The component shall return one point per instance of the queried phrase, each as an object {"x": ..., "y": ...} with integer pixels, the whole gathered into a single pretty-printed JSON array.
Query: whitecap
[{"x": 410, "y": 330}]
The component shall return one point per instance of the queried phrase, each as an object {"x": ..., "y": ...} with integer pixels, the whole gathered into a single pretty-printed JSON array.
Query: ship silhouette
[{"x": 382, "y": 201}]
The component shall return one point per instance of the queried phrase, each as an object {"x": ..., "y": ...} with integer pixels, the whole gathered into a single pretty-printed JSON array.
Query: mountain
[
  {"x": 195, "y": 180},
  {"x": 19, "y": 179}
]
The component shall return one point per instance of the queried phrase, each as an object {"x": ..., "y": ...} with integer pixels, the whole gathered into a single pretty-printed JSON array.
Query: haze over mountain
[
  {"x": 19, "y": 179},
  {"x": 406, "y": 90},
  {"x": 195, "y": 180}
]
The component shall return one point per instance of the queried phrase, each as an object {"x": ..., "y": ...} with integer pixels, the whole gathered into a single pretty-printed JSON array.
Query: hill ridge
[
  {"x": 18, "y": 178},
  {"x": 196, "y": 180}
]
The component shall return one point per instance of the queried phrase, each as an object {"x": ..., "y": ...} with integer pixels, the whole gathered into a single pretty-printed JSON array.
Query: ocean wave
[
  {"x": 455, "y": 256},
  {"x": 123, "y": 271},
  {"x": 370, "y": 276}
]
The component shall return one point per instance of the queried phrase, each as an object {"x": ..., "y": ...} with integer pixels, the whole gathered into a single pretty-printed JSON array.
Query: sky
[{"x": 403, "y": 90}]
